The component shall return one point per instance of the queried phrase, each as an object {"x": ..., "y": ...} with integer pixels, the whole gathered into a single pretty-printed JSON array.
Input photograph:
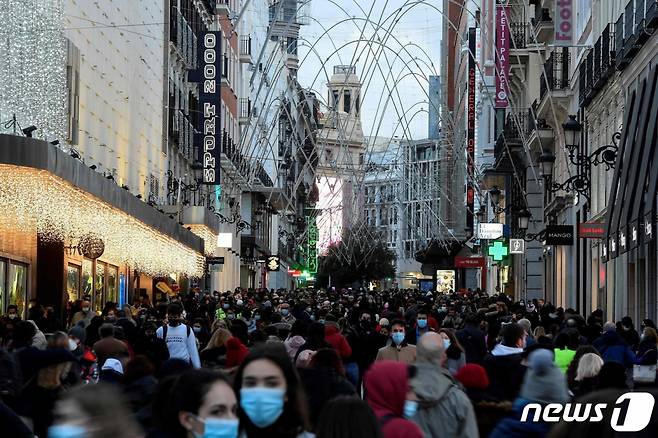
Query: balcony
[
  {"x": 285, "y": 19},
  {"x": 183, "y": 40},
  {"x": 233, "y": 163},
  {"x": 245, "y": 49},
  {"x": 543, "y": 25},
  {"x": 555, "y": 84},
  {"x": 540, "y": 135},
  {"x": 510, "y": 141},
  {"x": 244, "y": 117},
  {"x": 222, "y": 7},
  {"x": 261, "y": 181},
  {"x": 633, "y": 29},
  {"x": 597, "y": 68},
  {"x": 181, "y": 132}
]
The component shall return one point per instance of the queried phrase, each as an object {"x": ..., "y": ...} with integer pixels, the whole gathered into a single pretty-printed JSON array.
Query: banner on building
[
  {"x": 210, "y": 70},
  {"x": 502, "y": 55},
  {"x": 563, "y": 22},
  {"x": 470, "y": 134}
]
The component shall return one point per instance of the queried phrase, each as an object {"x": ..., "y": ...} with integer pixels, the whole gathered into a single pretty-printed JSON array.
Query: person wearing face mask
[
  {"x": 85, "y": 314},
  {"x": 271, "y": 397},
  {"x": 201, "y": 404},
  {"x": 12, "y": 313},
  {"x": 93, "y": 411},
  {"x": 286, "y": 316},
  {"x": 149, "y": 345},
  {"x": 389, "y": 396},
  {"x": 444, "y": 409},
  {"x": 456, "y": 358},
  {"x": 399, "y": 350},
  {"x": 179, "y": 338},
  {"x": 422, "y": 327}
]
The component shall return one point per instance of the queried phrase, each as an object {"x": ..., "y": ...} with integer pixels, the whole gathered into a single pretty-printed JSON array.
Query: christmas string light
[
  {"x": 33, "y": 68},
  {"x": 209, "y": 238},
  {"x": 37, "y": 201}
]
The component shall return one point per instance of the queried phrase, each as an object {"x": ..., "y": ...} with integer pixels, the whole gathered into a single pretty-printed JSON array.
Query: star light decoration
[
  {"x": 37, "y": 201},
  {"x": 33, "y": 67}
]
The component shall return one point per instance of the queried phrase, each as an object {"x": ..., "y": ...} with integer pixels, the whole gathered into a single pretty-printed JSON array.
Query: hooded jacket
[
  {"x": 386, "y": 386},
  {"x": 614, "y": 349},
  {"x": 443, "y": 408},
  {"x": 334, "y": 338},
  {"x": 505, "y": 372},
  {"x": 292, "y": 345}
]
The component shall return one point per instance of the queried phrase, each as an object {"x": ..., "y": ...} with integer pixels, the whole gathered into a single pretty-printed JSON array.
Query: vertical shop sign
[
  {"x": 209, "y": 62},
  {"x": 502, "y": 54},
  {"x": 470, "y": 132}
]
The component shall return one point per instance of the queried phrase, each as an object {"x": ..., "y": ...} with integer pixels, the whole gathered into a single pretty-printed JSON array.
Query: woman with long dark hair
[
  {"x": 454, "y": 351},
  {"x": 271, "y": 397},
  {"x": 348, "y": 417}
]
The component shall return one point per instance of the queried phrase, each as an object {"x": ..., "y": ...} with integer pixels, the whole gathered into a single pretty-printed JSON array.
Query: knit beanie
[
  {"x": 473, "y": 376},
  {"x": 236, "y": 352},
  {"x": 543, "y": 381},
  {"x": 78, "y": 331}
]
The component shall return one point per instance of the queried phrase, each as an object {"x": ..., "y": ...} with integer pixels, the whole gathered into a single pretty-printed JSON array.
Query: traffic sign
[
  {"x": 498, "y": 250},
  {"x": 517, "y": 246}
]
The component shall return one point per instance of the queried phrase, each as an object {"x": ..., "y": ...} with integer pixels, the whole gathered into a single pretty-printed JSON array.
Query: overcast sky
[{"x": 421, "y": 25}]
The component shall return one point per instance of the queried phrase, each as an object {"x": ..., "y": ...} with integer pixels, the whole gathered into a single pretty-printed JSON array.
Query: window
[
  {"x": 13, "y": 284},
  {"x": 98, "y": 287},
  {"x": 335, "y": 96},
  {"x": 358, "y": 104},
  {"x": 347, "y": 101},
  {"x": 73, "y": 282},
  {"x": 112, "y": 285},
  {"x": 87, "y": 278}
]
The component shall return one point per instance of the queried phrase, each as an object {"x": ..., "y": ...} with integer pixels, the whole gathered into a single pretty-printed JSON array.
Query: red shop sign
[{"x": 470, "y": 262}]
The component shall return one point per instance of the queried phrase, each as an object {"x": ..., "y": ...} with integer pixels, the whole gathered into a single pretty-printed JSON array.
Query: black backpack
[
  {"x": 11, "y": 378},
  {"x": 164, "y": 331}
]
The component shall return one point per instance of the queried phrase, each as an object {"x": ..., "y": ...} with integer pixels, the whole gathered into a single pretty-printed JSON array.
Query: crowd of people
[{"x": 337, "y": 363}]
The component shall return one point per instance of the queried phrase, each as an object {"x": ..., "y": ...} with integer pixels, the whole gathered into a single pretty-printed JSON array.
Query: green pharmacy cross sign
[{"x": 498, "y": 250}]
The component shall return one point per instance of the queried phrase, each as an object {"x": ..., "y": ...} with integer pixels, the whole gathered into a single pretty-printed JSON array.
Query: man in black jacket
[
  {"x": 472, "y": 339},
  {"x": 504, "y": 366}
]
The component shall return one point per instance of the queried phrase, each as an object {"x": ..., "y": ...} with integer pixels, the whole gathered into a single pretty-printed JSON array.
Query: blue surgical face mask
[
  {"x": 285, "y": 312},
  {"x": 256, "y": 317},
  {"x": 398, "y": 338},
  {"x": 422, "y": 323},
  {"x": 226, "y": 305},
  {"x": 219, "y": 428},
  {"x": 410, "y": 408},
  {"x": 446, "y": 344},
  {"x": 67, "y": 431},
  {"x": 263, "y": 406}
]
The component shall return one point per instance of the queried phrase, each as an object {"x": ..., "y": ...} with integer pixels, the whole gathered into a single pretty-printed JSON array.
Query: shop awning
[
  {"x": 631, "y": 206},
  {"x": 45, "y": 190}
]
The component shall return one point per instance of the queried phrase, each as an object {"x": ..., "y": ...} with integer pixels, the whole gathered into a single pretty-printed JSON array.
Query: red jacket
[
  {"x": 386, "y": 384},
  {"x": 334, "y": 338}
]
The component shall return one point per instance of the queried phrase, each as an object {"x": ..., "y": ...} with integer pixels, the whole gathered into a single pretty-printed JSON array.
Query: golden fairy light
[
  {"x": 209, "y": 238},
  {"x": 37, "y": 200}
]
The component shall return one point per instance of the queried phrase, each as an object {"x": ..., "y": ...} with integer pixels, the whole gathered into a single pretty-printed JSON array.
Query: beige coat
[{"x": 406, "y": 354}]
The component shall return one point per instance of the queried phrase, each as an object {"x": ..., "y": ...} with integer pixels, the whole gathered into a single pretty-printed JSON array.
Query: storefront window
[
  {"x": 98, "y": 287},
  {"x": 73, "y": 282},
  {"x": 17, "y": 285},
  {"x": 87, "y": 278},
  {"x": 112, "y": 286}
]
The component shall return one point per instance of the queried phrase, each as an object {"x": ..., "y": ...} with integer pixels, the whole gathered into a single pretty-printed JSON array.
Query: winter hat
[
  {"x": 543, "y": 381},
  {"x": 78, "y": 331},
  {"x": 473, "y": 376},
  {"x": 113, "y": 364},
  {"x": 235, "y": 352}
]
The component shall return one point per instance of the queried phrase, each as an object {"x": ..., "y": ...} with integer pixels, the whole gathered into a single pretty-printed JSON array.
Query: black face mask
[{"x": 174, "y": 322}]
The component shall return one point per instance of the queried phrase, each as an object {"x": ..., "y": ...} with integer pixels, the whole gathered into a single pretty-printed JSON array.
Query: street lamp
[
  {"x": 581, "y": 181},
  {"x": 494, "y": 195},
  {"x": 524, "y": 219},
  {"x": 572, "y": 129},
  {"x": 481, "y": 214}
]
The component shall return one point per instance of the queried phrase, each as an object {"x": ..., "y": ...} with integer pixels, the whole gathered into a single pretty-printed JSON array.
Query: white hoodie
[{"x": 180, "y": 345}]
